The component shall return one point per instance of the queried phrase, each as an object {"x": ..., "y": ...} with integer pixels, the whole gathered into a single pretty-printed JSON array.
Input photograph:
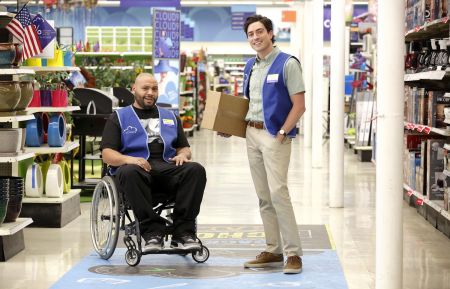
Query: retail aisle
[{"x": 230, "y": 199}]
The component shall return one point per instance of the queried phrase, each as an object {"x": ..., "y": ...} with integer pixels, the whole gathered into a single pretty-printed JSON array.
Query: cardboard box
[{"x": 225, "y": 113}]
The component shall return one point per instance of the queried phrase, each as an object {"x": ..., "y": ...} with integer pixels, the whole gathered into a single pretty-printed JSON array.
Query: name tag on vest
[
  {"x": 168, "y": 121},
  {"x": 271, "y": 78}
]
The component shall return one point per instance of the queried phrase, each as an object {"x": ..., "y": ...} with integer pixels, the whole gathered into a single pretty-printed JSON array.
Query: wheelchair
[{"x": 110, "y": 213}]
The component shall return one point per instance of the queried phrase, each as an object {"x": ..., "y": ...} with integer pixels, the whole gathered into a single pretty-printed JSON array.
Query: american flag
[{"x": 24, "y": 30}]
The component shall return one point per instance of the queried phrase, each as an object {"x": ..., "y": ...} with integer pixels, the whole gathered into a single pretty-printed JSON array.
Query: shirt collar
[{"x": 269, "y": 57}]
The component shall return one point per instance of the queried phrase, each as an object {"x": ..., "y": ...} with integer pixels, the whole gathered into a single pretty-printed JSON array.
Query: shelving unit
[
  {"x": 52, "y": 109},
  {"x": 49, "y": 69},
  {"x": 52, "y": 212},
  {"x": 11, "y": 234},
  {"x": 421, "y": 99},
  {"x": 11, "y": 238},
  {"x": 45, "y": 149}
]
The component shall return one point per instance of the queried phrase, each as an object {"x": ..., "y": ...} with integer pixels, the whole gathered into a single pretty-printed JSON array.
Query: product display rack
[
  {"x": 11, "y": 234},
  {"x": 52, "y": 212},
  {"x": 422, "y": 105}
]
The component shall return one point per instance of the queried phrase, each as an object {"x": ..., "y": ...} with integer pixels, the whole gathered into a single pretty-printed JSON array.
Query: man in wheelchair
[{"x": 144, "y": 143}]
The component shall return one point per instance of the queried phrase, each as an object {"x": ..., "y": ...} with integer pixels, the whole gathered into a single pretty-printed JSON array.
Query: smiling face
[
  {"x": 260, "y": 39},
  {"x": 145, "y": 90}
]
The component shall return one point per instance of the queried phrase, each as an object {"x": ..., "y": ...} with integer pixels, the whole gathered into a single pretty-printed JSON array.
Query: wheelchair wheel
[
  {"x": 105, "y": 219},
  {"x": 132, "y": 257},
  {"x": 201, "y": 256}
]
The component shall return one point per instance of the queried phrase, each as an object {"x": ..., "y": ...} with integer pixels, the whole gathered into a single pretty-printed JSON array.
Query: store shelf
[
  {"x": 52, "y": 109},
  {"x": 235, "y": 62},
  {"x": 426, "y": 129},
  {"x": 18, "y": 157},
  {"x": 7, "y": 229},
  {"x": 46, "y": 200},
  {"x": 437, "y": 205},
  {"x": 427, "y": 75},
  {"x": 358, "y": 70},
  {"x": 113, "y": 53},
  {"x": 240, "y": 68},
  {"x": 436, "y": 28},
  {"x": 187, "y": 92},
  {"x": 119, "y": 67},
  {"x": 190, "y": 129},
  {"x": 15, "y": 116},
  {"x": 7, "y": 14},
  {"x": 47, "y": 69},
  {"x": 45, "y": 149},
  {"x": 362, "y": 148},
  {"x": 188, "y": 107},
  {"x": 415, "y": 193},
  {"x": 222, "y": 85},
  {"x": 12, "y": 71}
]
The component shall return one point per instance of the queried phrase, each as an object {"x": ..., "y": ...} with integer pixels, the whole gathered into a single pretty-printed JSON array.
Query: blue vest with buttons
[
  {"x": 135, "y": 138},
  {"x": 275, "y": 96}
]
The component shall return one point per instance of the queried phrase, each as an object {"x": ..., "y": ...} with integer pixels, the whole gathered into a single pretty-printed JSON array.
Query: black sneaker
[
  {"x": 153, "y": 243},
  {"x": 185, "y": 242}
]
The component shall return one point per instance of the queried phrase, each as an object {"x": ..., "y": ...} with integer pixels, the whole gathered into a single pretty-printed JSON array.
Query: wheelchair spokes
[{"x": 105, "y": 218}]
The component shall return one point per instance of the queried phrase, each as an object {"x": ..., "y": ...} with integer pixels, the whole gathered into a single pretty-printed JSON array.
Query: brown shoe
[
  {"x": 293, "y": 265},
  {"x": 265, "y": 259}
]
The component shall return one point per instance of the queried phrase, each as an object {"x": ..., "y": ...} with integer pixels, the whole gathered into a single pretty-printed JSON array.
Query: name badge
[
  {"x": 271, "y": 78},
  {"x": 168, "y": 121}
]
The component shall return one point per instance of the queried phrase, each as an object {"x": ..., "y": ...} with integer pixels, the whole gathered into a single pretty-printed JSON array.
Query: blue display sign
[
  {"x": 166, "y": 34},
  {"x": 149, "y": 3},
  {"x": 238, "y": 19}
]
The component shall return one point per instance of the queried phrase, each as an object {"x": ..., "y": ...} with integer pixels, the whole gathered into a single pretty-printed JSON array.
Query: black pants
[{"x": 143, "y": 188}]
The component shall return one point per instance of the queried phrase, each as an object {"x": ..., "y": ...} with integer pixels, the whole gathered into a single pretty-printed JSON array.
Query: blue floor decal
[{"x": 322, "y": 270}]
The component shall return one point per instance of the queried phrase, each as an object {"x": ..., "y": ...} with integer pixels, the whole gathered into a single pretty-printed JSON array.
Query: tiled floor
[{"x": 230, "y": 199}]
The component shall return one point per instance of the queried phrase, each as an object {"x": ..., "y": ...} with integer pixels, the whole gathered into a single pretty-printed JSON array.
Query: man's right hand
[
  {"x": 222, "y": 134},
  {"x": 143, "y": 163}
]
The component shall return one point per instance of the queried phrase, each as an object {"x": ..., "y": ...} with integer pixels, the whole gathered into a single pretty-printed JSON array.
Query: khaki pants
[{"x": 269, "y": 163}]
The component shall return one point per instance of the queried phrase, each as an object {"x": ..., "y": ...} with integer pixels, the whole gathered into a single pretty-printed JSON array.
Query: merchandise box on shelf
[{"x": 225, "y": 113}]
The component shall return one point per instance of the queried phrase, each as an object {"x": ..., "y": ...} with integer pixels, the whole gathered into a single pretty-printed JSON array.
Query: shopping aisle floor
[{"x": 230, "y": 199}]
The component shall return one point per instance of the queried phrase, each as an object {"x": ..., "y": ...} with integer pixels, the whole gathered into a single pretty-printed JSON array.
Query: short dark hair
[{"x": 259, "y": 18}]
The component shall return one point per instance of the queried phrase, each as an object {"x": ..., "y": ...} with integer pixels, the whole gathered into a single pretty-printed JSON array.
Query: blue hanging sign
[
  {"x": 149, "y": 3},
  {"x": 166, "y": 34}
]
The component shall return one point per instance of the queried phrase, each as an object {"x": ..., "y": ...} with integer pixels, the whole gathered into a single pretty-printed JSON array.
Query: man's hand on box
[
  {"x": 180, "y": 159},
  {"x": 222, "y": 134}
]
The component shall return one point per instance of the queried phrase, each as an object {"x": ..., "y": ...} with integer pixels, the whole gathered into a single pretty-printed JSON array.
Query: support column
[
  {"x": 318, "y": 90},
  {"x": 307, "y": 64},
  {"x": 389, "y": 222},
  {"x": 337, "y": 91}
]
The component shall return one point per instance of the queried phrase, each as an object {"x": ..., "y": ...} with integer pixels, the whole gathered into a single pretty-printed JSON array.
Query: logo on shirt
[
  {"x": 130, "y": 129},
  {"x": 168, "y": 121}
]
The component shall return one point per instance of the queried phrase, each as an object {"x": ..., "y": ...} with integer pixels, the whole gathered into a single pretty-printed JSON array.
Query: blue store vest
[
  {"x": 135, "y": 138},
  {"x": 275, "y": 96}
]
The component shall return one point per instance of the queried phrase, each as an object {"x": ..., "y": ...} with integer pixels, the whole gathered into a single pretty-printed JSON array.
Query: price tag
[
  {"x": 445, "y": 19},
  {"x": 419, "y": 202},
  {"x": 409, "y": 193},
  {"x": 419, "y": 128},
  {"x": 427, "y": 129},
  {"x": 417, "y": 28}
]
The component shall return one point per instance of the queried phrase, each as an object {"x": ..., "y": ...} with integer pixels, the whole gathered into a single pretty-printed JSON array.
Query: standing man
[
  {"x": 273, "y": 83},
  {"x": 146, "y": 146}
]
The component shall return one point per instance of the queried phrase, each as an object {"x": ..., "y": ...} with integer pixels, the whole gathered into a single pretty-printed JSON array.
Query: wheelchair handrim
[{"x": 111, "y": 232}]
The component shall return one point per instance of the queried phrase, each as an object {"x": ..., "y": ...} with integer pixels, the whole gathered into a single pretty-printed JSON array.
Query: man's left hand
[
  {"x": 179, "y": 159},
  {"x": 280, "y": 138}
]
